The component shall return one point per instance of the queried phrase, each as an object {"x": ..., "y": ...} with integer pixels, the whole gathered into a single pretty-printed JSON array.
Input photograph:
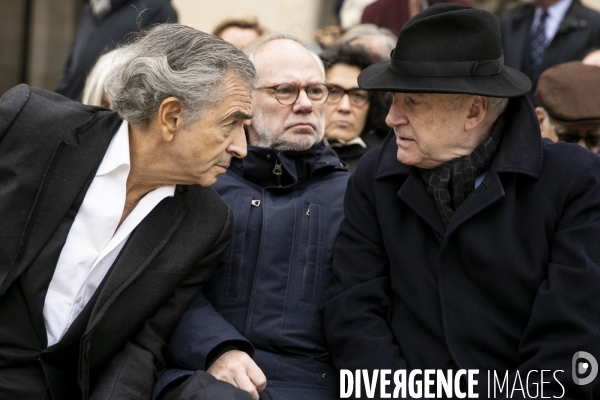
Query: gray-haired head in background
[
  {"x": 255, "y": 45},
  {"x": 172, "y": 60},
  {"x": 374, "y": 38}
]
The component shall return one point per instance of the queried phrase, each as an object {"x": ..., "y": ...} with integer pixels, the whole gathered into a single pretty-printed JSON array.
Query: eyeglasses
[
  {"x": 287, "y": 93},
  {"x": 358, "y": 97}
]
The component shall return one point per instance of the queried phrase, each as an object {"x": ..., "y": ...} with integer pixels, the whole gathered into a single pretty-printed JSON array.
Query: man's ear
[
  {"x": 541, "y": 115},
  {"x": 170, "y": 117},
  {"x": 476, "y": 113}
]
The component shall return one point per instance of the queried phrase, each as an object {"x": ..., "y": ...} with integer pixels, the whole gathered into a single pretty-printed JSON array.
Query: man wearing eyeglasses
[
  {"x": 569, "y": 108},
  {"x": 258, "y": 326}
]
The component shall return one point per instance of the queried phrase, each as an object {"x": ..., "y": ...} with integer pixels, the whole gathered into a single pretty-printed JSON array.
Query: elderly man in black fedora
[{"x": 468, "y": 242}]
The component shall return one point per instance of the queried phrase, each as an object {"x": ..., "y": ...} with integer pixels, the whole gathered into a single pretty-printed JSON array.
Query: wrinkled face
[
  {"x": 239, "y": 37},
  {"x": 204, "y": 149},
  {"x": 285, "y": 127},
  {"x": 344, "y": 119},
  {"x": 429, "y": 128}
]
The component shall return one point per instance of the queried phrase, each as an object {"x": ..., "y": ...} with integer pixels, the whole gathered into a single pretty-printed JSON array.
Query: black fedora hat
[{"x": 448, "y": 48}]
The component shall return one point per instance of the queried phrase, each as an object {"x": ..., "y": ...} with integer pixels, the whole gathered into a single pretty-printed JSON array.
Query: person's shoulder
[
  {"x": 46, "y": 108},
  {"x": 205, "y": 197},
  {"x": 563, "y": 155},
  {"x": 570, "y": 165},
  {"x": 16, "y": 97},
  {"x": 519, "y": 12},
  {"x": 587, "y": 14}
]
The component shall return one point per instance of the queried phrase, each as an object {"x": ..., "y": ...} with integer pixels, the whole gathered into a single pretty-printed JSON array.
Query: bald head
[{"x": 296, "y": 126}]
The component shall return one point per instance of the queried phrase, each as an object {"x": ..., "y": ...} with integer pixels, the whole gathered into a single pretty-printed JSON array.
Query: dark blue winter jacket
[{"x": 266, "y": 293}]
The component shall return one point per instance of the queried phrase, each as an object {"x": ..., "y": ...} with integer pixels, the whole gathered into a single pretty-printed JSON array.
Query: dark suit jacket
[
  {"x": 49, "y": 148},
  {"x": 578, "y": 33}
]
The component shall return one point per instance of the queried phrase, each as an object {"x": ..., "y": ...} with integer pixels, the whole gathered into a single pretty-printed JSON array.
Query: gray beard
[{"x": 268, "y": 137}]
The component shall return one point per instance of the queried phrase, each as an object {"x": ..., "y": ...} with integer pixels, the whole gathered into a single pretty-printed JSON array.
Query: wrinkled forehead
[{"x": 285, "y": 60}]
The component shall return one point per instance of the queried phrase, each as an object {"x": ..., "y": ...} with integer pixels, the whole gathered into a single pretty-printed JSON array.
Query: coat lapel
[
  {"x": 414, "y": 193},
  {"x": 68, "y": 174},
  {"x": 145, "y": 242},
  {"x": 489, "y": 192},
  {"x": 519, "y": 45}
]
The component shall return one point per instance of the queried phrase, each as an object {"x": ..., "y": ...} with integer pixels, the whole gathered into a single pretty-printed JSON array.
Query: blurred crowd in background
[{"x": 537, "y": 35}]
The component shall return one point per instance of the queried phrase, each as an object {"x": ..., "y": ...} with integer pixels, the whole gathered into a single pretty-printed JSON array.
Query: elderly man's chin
[
  {"x": 407, "y": 157},
  {"x": 211, "y": 176}
]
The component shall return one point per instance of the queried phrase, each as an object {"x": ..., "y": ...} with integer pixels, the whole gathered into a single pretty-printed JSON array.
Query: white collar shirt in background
[
  {"x": 556, "y": 13},
  {"x": 94, "y": 242}
]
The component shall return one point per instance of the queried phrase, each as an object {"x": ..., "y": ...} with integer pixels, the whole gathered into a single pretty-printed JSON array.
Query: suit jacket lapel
[
  {"x": 145, "y": 242},
  {"x": 71, "y": 167},
  {"x": 520, "y": 42},
  {"x": 68, "y": 174}
]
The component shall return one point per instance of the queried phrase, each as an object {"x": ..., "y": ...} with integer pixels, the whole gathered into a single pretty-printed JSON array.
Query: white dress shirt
[
  {"x": 556, "y": 13},
  {"x": 94, "y": 242}
]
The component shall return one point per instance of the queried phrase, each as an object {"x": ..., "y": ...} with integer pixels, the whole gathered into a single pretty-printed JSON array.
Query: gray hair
[
  {"x": 495, "y": 105},
  {"x": 172, "y": 60},
  {"x": 387, "y": 39},
  {"x": 255, "y": 45}
]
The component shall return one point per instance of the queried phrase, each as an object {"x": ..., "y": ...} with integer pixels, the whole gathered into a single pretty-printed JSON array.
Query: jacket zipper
[
  {"x": 277, "y": 171},
  {"x": 302, "y": 285}
]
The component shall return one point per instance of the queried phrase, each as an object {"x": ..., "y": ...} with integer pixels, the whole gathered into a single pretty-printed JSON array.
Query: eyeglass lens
[
  {"x": 287, "y": 93},
  {"x": 358, "y": 97}
]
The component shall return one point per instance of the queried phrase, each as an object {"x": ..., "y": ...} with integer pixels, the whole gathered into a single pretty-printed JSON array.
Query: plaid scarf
[{"x": 452, "y": 182}]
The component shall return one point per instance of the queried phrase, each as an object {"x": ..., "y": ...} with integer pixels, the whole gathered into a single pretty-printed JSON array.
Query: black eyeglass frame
[
  {"x": 298, "y": 88},
  {"x": 349, "y": 93}
]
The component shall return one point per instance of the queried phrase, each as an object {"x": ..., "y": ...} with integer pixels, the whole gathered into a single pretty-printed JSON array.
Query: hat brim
[{"x": 508, "y": 83}]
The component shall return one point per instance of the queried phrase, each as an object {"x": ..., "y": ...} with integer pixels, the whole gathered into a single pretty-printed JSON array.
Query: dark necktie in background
[{"x": 538, "y": 47}]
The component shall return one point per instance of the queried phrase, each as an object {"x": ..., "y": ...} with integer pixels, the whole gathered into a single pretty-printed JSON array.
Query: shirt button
[{"x": 78, "y": 300}]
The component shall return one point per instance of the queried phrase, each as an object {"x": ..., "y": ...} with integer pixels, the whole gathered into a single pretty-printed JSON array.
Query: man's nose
[
  {"x": 396, "y": 116},
  {"x": 302, "y": 103},
  {"x": 238, "y": 147}
]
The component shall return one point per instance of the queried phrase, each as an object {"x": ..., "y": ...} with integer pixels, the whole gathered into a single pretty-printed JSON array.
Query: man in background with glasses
[
  {"x": 258, "y": 326},
  {"x": 569, "y": 108}
]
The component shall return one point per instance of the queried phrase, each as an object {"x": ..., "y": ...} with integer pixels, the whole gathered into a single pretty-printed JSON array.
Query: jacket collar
[
  {"x": 296, "y": 166},
  {"x": 520, "y": 150}
]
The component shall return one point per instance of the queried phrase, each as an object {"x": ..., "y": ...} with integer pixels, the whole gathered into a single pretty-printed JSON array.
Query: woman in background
[{"x": 354, "y": 118}]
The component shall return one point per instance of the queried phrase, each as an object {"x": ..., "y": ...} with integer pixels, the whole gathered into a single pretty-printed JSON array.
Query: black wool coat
[{"x": 511, "y": 284}]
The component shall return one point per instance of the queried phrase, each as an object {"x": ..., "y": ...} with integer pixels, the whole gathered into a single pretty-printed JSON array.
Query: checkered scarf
[{"x": 452, "y": 182}]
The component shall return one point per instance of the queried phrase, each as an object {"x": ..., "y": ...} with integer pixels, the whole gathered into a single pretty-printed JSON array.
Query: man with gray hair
[
  {"x": 258, "y": 325},
  {"x": 109, "y": 225}
]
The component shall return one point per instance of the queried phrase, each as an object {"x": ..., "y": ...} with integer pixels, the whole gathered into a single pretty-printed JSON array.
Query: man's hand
[{"x": 237, "y": 368}]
